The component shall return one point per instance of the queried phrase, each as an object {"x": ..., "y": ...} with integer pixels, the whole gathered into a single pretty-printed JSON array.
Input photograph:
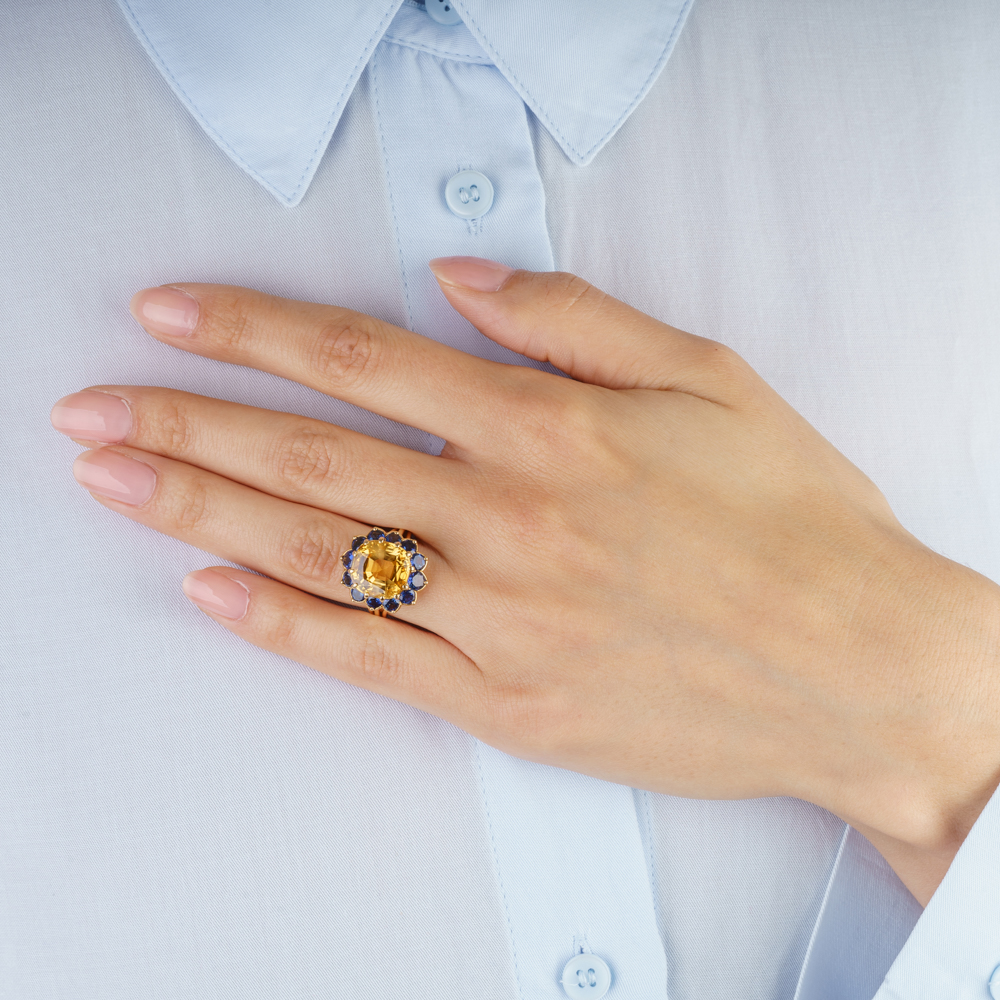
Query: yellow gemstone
[{"x": 380, "y": 569}]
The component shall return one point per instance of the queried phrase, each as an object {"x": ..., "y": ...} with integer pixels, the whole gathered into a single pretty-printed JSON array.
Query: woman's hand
[{"x": 656, "y": 573}]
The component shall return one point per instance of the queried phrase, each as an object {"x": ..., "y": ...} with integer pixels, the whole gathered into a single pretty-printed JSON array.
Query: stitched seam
[
  {"x": 651, "y": 863},
  {"x": 649, "y": 852},
  {"x": 496, "y": 865},
  {"x": 388, "y": 187},
  {"x": 200, "y": 117},
  {"x": 640, "y": 93},
  {"x": 822, "y": 910},
  {"x": 474, "y": 226},
  {"x": 408, "y": 43},
  {"x": 351, "y": 80}
]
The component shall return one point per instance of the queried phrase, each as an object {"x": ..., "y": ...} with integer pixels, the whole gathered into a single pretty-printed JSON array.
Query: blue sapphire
[
  {"x": 392, "y": 605},
  {"x": 347, "y": 558},
  {"x": 407, "y": 597},
  {"x": 346, "y": 579},
  {"x": 394, "y": 536},
  {"x": 376, "y": 534},
  {"x": 416, "y": 581},
  {"x": 374, "y": 602},
  {"x": 356, "y": 595},
  {"x": 356, "y": 541},
  {"x": 409, "y": 544},
  {"x": 417, "y": 561}
]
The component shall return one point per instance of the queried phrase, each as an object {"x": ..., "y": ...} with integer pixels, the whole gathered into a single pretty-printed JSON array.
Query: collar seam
[
  {"x": 345, "y": 92},
  {"x": 409, "y": 43},
  {"x": 540, "y": 110}
]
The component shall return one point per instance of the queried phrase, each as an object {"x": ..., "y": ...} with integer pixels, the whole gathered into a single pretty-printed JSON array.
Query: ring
[{"x": 384, "y": 570}]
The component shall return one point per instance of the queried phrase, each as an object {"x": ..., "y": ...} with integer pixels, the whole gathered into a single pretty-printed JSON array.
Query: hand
[{"x": 655, "y": 572}]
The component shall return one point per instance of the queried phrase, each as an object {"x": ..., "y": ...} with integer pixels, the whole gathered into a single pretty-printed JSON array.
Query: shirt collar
[{"x": 269, "y": 81}]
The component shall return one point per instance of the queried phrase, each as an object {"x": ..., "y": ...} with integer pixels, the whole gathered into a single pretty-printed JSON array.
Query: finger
[
  {"x": 291, "y": 457},
  {"x": 560, "y": 318},
  {"x": 346, "y": 354},
  {"x": 297, "y": 544},
  {"x": 388, "y": 657}
]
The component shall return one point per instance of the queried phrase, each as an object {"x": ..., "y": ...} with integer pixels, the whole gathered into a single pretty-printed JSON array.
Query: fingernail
[
  {"x": 471, "y": 272},
  {"x": 115, "y": 476},
  {"x": 94, "y": 416},
  {"x": 165, "y": 310},
  {"x": 214, "y": 592}
]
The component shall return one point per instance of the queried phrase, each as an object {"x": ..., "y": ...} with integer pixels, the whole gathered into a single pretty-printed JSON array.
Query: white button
[
  {"x": 587, "y": 977},
  {"x": 442, "y": 11},
  {"x": 995, "y": 984},
  {"x": 469, "y": 194}
]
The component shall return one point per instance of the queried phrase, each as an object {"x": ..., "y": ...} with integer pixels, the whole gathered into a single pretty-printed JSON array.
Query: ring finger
[{"x": 294, "y": 543}]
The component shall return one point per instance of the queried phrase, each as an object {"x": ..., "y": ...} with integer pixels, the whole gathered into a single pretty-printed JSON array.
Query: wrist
[{"x": 929, "y": 757}]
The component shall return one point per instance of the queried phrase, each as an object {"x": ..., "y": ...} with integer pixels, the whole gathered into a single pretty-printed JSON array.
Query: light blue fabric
[
  {"x": 570, "y": 861},
  {"x": 140, "y": 834},
  {"x": 268, "y": 82},
  {"x": 955, "y": 945},
  {"x": 573, "y": 876}
]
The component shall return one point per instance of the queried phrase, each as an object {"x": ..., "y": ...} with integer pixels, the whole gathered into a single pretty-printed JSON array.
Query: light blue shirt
[{"x": 574, "y": 861}]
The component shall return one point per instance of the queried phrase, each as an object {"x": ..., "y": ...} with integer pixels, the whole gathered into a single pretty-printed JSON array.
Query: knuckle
[
  {"x": 527, "y": 720},
  {"x": 228, "y": 322},
  {"x": 377, "y": 662},
  {"x": 558, "y": 291},
  {"x": 279, "y": 629},
  {"x": 308, "y": 459},
  {"x": 730, "y": 369},
  {"x": 575, "y": 295},
  {"x": 558, "y": 426},
  {"x": 310, "y": 554},
  {"x": 558, "y": 295},
  {"x": 173, "y": 429},
  {"x": 189, "y": 511},
  {"x": 346, "y": 353}
]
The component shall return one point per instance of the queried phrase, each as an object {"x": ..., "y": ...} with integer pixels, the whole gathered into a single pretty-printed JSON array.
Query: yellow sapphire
[{"x": 380, "y": 568}]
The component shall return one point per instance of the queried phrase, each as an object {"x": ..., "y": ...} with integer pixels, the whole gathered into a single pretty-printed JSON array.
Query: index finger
[{"x": 342, "y": 353}]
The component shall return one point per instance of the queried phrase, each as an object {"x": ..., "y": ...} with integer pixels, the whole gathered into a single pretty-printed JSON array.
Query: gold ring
[{"x": 384, "y": 570}]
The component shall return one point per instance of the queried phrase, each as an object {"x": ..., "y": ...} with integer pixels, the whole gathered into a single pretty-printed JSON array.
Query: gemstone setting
[{"x": 384, "y": 570}]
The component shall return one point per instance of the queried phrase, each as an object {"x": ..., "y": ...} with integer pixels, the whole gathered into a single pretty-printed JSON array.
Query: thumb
[{"x": 560, "y": 318}]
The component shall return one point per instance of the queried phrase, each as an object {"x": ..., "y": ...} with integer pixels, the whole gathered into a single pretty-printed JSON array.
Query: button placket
[{"x": 567, "y": 848}]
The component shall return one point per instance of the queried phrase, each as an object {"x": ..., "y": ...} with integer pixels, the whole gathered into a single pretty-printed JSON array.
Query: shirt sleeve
[{"x": 955, "y": 946}]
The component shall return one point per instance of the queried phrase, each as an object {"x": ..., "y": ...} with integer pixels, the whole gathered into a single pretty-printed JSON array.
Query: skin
[{"x": 687, "y": 588}]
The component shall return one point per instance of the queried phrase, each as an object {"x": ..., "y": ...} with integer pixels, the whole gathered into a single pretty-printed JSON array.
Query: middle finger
[{"x": 292, "y": 457}]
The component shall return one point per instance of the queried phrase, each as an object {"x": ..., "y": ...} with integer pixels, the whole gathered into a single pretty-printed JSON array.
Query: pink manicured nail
[
  {"x": 94, "y": 416},
  {"x": 214, "y": 592},
  {"x": 471, "y": 272},
  {"x": 115, "y": 476},
  {"x": 165, "y": 310}
]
